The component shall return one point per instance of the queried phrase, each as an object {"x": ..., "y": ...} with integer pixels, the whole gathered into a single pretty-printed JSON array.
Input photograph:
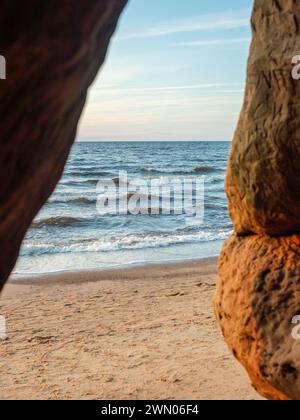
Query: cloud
[
  {"x": 167, "y": 88},
  {"x": 216, "y": 21},
  {"x": 212, "y": 42}
]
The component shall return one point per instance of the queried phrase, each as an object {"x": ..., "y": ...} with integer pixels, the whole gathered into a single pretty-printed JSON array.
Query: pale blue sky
[{"x": 175, "y": 71}]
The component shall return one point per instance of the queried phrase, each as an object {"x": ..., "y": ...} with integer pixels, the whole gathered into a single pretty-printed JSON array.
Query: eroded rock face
[
  {"x": 53, "y": 51},
  {"x": 258, "y": 291},
  {"x": 263, "y": 180},
  {"x": 258, "y": 295}
]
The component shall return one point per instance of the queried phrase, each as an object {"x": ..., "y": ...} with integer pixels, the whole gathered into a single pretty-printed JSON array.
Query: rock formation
[
  {"x": 263, "y": 182},
  {"x": 53, "y": 51},
  {"x": 258, "y": 291}
]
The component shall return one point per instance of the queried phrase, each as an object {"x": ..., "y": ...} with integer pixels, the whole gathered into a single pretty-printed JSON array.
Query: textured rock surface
[
  {"x": 258, "y": 295},
  {"x": 263, "y": 182},
  {"x": 258, "y": 291},
  {"x": 53, "y": 51}
]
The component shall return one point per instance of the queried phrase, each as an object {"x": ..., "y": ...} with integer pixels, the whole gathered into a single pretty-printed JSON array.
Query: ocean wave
[
  {"x": 162, "y": 177},
  {"x": 152, "y": 170},
  {"x": 79, "y": 182},
  {"x": 125, "y": 243},
  {"x": 117, "y": 181},
  {"x": 87, "y": 173},
  {"x": 176, "y": 172},
  {"x": 141, "y": 211},
  {"x": 72, "y": 200},
  {"x": 56, "y": 221},
  {"x": 204, "y": 169},
  {"x": 65, "y": 221},
  {"x": 217, "y": 206}
]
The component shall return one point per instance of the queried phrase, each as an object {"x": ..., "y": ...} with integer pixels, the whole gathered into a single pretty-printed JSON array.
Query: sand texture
[{"x": 141, "y": 333}]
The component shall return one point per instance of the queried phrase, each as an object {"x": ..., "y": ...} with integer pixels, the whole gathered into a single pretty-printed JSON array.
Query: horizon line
[{"x": 149, "y": 141}]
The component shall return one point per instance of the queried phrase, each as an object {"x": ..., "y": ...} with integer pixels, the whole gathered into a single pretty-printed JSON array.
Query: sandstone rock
[
  {"x": 263, "y": 181},
  {"x": 257, "y": 297},
  {"x": 53, "y": 51},
  {"x": 258, "y": 291}
]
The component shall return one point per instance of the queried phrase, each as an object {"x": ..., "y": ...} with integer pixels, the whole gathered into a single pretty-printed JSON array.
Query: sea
[{"x": 71, "y": 234}]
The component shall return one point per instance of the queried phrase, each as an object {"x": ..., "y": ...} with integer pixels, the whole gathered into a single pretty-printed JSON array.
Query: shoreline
[
  {"x": 97, "y": 275},
  {"x": 134, "y": 334}
]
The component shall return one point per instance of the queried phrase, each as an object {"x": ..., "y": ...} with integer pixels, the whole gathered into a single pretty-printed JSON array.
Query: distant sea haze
[{"x": 70, "y": 235}]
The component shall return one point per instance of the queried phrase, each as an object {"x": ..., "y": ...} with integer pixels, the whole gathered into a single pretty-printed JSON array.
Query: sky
[{"x": 175, "y": 71}]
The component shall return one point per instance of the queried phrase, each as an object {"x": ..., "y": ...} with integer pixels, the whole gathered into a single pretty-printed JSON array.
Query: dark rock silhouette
[
  {"x": 53, "y": 51},
  {"x": 258, "y": 290}
]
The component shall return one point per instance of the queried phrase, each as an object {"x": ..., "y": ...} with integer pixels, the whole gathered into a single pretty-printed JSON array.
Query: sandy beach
[{"x": 139, "y": 333}]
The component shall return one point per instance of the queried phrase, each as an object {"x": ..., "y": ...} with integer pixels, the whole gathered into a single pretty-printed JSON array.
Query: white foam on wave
[{"x": 127, "y": 242}]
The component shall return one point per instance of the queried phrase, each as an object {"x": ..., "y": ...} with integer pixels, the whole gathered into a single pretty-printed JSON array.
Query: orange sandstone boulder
[
  {"x": 263, "y": 180},
  {"x": 257, "y": 297},
  {"x": 258, "y": 291}
]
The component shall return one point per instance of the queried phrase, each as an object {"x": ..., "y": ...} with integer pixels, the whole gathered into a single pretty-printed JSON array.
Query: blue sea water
[{"x": 69, "y": 234}]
